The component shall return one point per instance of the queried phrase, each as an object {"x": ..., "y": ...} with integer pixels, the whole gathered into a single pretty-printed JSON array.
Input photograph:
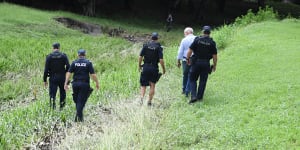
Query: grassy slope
[{"x": 250, "y": 102}]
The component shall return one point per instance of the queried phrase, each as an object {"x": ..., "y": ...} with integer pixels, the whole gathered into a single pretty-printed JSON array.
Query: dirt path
[{"x": 117, "y": 125}]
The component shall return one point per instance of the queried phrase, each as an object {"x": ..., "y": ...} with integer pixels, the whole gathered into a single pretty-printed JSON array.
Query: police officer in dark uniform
[
  {"x": 83, "y": 69},
  {"x": 152, "y": 54},
  {"x": 203, "y": 49},
  {"x": 56, "y": 65}
]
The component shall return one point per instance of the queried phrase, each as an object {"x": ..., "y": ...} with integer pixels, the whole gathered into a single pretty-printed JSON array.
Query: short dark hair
[
  {"x": 206, "y": 29},
  {"x": 56, "y": 45},
  {"x": 81, "y": 52},
  {"x": 154, "y": 36}
]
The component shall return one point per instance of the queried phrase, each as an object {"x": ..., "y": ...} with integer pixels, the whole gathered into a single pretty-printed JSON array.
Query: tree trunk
[{"x": 89, "y": 7}]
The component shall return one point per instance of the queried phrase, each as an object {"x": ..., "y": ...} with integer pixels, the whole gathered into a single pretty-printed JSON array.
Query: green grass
[{"x": 251, "y": 102}]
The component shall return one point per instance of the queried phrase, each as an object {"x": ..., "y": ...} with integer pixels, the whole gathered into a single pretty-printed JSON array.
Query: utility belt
[
  {"x": 202, "y": 60},
  {"x": 195, "y": 59},
  {"x": 150, "y": 64},
  {"x": 81, "y": 80},
  {"x": 56, "y": 74}
]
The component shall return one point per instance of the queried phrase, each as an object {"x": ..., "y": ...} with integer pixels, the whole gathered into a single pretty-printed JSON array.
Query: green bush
[
  {"x": 224, "y": 34},
  {"x": 262, "y": 15}
]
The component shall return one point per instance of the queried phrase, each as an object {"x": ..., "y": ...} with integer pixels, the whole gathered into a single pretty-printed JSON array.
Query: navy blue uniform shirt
[
  {"x": 82, "y": 68},
  {"x": 204, "y": 47}
]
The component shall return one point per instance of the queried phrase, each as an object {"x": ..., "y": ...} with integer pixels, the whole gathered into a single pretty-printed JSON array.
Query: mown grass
[{"x": 251, "y": 102}]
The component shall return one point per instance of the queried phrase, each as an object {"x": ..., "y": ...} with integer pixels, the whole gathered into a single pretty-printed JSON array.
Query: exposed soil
[{"x": 93, "y": 29}]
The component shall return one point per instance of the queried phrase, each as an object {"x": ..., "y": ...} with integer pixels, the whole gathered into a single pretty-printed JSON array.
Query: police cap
[
  {"x": 206, "y": 29},
  {"x": 56, "y": 45},
  {"x": 154, "y": 36},
  {"x": 81, "y": 52}
]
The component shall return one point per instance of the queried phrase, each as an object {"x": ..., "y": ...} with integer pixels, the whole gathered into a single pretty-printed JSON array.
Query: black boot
[
  {"x": 62, "y": 104},
  {"x": 52, "y": 103}
]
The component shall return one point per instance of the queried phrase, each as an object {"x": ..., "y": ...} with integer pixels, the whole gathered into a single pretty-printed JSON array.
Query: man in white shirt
[{"x": 181, "y": 58}]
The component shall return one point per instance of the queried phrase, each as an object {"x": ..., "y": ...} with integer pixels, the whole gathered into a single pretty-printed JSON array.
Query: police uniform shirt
[
  {"x": 56, "y": 63},
  {"x": 82, "y": 68},
  {"x": 152, "y": 52},
  {"x": 204, "y": 47}
]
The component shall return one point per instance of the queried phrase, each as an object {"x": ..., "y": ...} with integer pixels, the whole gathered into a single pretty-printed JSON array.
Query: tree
[{"x": 89, "y": 7}]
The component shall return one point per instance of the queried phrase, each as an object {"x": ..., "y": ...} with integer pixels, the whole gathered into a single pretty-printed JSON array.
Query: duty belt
[
  {"x": 202, "y": 60},
  {"x": 81, "y": 80}
]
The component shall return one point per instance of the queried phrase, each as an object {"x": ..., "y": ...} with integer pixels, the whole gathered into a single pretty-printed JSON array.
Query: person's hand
[
  {"x": 188, "y": 61},
  {"x": 66, "y": 87},
  {"x": 164, "y": 71},
  {"x": 178, "y": 64},
  {"x": 214, "y": 68},
  {"x": 46, "y": 84},
  {"x": 97, "y": 86},
  {"x": 140, "y": 68}
]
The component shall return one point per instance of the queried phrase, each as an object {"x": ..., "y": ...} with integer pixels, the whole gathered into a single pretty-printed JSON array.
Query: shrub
[{"x": 225, "y": 33}]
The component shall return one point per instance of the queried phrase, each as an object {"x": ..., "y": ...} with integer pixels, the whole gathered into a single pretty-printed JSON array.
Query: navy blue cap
[
  {"x": 206, "y": 29},
  {"x": 154, "y": 36},
  {"x": 56, "y": 45},
  {"x": 81, "y": 52}
]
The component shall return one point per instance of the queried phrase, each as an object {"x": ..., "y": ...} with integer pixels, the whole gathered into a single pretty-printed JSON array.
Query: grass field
[{"x": 251, "y": 101}]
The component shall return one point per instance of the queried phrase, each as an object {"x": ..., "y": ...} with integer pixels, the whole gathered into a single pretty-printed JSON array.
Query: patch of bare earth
[{"x": 93, "y": 29}]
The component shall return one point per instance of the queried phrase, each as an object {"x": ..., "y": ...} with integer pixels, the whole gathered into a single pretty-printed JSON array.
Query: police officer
[
  {"x": 56, "y": 65},
  {"x": 83, "y": 69},
  {"x": 203, "y": 49},
  {"x": 151, "y": 54}
]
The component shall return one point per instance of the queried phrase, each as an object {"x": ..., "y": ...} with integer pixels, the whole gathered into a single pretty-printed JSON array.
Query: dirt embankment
[{"x": 93, "y": 29}]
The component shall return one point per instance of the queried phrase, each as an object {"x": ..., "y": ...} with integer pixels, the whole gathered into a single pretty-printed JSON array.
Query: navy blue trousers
[
  {"x": 57, "y": 81},
  {"x": 80, "y": 96},
  {"x": 199, "y": 70}
]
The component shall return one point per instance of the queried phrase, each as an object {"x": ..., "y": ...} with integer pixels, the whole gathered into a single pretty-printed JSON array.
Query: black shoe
[
  {"x": 193, "y": 101},
  {"x": 187, "y": 94},
  {"x": 78, "y": 119},
  {"x": 62, "y": 105},
  {"x": 149, "y": 104},
  {"x": 199, "y": 99}
]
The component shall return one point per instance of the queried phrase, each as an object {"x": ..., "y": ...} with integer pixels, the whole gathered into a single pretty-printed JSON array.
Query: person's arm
[
  {"x": 188, "y": 56},
  {"x": 162, "y": 64},
  {"x": 46, "y": 72},
  {"x": 67, "y": 63},
  {"x": 95, "y": 79},
  {"x": 180, "y": 54},
  {"x": 215, "y": 59},
  {"x": 140, "y": 63},
  {"x": 68, "y": 75},
  {"x": 215, "y": 56}
]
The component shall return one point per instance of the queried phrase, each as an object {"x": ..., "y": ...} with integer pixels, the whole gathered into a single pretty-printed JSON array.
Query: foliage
[{"x": 224, "y": 34}]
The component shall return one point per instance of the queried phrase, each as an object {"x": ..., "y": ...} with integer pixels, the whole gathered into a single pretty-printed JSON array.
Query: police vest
[
  {"x": 81, "y": 69},
  {"x": 57, "y": 63},
  {"x": 151, "y": 53},
  {"x": 204, "y": 48}
]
